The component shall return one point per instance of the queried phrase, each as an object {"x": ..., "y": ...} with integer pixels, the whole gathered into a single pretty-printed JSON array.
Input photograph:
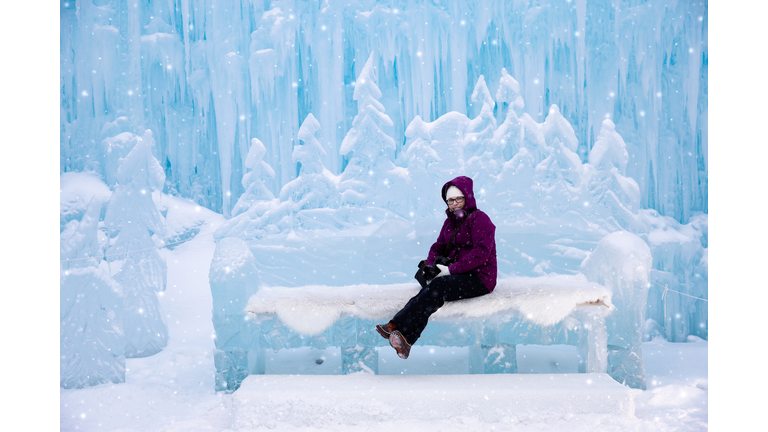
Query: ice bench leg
[
  {"x": 233, "y": 366},
  {"x": 257, "y": 361},
  {"x": 231, "y": 369},
  {"x": 501, "y": 358},
  {"x": 359, "y": 359},
  {"x": 593, "y": 345},
  {"x": 492, "y": 359}
]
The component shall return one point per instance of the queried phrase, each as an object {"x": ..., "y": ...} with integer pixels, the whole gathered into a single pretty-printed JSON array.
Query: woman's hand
[
  {"x": 443, "y": 270},
  {"x": 435, "y": 271}
]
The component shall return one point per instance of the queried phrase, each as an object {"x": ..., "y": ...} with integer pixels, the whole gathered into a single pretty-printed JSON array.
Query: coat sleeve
[
  {"x": 483, "y": 234},
  {"x": 438, "y": 246}
]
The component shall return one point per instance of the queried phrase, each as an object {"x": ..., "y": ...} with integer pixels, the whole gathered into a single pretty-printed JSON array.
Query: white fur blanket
[{"x": 310, "y": 310}]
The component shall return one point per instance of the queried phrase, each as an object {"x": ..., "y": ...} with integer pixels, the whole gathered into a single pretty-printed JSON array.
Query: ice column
[
  {"x": 622, "y": 262},
  {"x": 234, "y": 278}
]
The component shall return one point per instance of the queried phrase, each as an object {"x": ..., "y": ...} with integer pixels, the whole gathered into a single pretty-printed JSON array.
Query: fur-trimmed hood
[{"x": 465, "y": 186}]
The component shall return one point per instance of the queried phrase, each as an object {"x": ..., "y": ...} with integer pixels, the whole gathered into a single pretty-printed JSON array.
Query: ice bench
[{"x": 600, "y": 312}]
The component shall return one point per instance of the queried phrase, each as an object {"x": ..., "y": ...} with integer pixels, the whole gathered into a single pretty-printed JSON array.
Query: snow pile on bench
[{"x": 310, "y": 310}]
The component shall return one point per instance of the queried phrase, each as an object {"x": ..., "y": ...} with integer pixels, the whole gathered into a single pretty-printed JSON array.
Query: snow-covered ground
[{"x": 174, "y": 390}]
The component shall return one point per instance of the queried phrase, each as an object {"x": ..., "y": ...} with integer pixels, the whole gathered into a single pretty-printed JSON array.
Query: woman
[{"x": 461, "y": 264}]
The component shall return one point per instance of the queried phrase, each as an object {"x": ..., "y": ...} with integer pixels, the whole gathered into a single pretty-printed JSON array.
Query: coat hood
[{"x": 465, "y": 186}]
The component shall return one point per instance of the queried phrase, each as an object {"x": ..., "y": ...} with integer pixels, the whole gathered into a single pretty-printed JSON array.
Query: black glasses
[{"x": 457, "y": 200}]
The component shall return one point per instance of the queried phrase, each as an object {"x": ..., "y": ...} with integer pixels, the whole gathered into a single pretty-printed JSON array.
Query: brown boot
[
  {"x": 400, "y": 344},
  {"x": 385, "y": 329}
]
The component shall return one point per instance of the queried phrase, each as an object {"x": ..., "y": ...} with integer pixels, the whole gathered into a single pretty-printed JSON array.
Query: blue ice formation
[
  {"x": 92, "y": 342},
  {"x": 576, "y": 119},
  {"x": 107, "y": 318},
  {"x": 258, "y": 171},
  {"x": 234, "y": 278},
  {"x": 543, "y": 191},
  {"x": 133, "y": 217},
  {"x": 622, "y": 262},
  {"x": 207, "y": 78}
]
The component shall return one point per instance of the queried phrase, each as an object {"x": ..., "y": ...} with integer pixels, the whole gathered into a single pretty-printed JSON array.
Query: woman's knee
[{"x": 439, "y": 286}]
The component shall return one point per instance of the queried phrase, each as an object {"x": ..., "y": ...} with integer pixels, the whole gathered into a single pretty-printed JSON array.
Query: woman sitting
[{"x": 461, "y": 264}]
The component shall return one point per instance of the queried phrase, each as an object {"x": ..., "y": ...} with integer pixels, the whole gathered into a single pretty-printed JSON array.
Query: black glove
[
  {"x": 439, "y": 260},
  {"x": 430, "y": 271}
]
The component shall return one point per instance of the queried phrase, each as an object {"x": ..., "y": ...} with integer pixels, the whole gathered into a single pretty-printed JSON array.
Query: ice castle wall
[{"x": 208, "y": 76}]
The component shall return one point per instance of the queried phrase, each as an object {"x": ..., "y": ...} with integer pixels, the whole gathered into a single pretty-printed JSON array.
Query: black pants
[{"x": 412, "y": 318}]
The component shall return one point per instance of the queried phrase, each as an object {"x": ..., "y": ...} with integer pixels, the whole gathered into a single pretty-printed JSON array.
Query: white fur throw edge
[{"x": 312, "y": 309}]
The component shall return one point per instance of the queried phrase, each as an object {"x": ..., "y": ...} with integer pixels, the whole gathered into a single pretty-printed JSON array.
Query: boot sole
[{"x": 400, "y": 344}]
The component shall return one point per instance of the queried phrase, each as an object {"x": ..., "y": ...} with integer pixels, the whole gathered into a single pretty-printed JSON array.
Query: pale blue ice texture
[
  {"x": 133, "y": 217},
  {"x": 576, "y": 119},
  {"x": 234, "y": 278},
  {"x": 545, "y": 185},
  {"x": 207, "y": 78},
  {"x": 622, "y": 262},
  {"x": 542, "y": 189},
  {"x": 92, "y": 343},
  {"x": 257, "y": 172}
]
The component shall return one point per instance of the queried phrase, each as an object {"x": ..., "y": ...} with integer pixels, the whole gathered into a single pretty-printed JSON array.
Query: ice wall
[
  {"x": 208, "y": 76},
  {"x": 680, "y": 264}
]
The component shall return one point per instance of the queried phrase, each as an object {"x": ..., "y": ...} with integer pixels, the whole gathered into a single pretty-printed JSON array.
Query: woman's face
[{"x": 456, "y": 203}]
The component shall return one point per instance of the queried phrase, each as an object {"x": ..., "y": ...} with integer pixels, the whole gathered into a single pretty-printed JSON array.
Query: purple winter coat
[{"x": 474, "y": 247}]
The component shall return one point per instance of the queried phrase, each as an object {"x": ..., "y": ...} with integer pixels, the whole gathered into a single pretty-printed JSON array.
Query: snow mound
[
  {"x": 310, "y": 310},
  {"x": 277, "y": 401}
]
